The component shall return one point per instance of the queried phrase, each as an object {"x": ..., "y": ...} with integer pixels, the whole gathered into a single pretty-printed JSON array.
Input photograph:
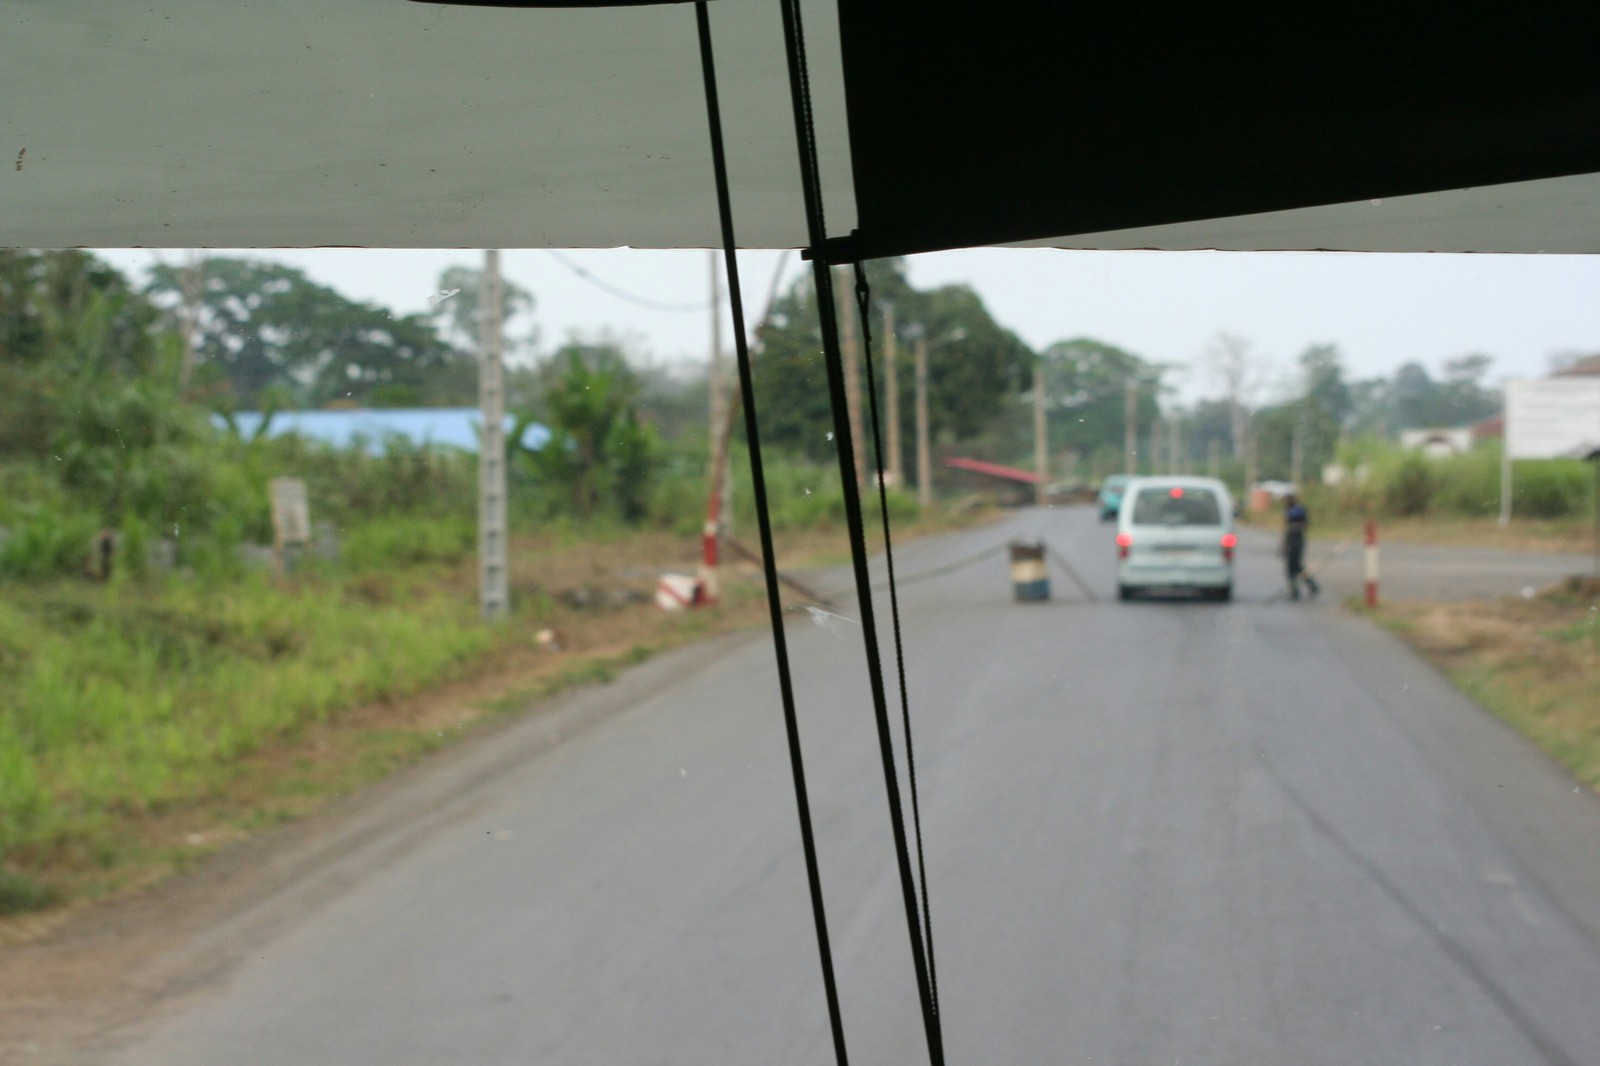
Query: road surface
[{"x": 1159, "y": 832}]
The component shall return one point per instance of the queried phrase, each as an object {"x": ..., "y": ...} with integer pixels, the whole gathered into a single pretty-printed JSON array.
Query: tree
[
  {"x": 69, "y": 323},
  {"x": 1324, "y": 406},
  {"x": 454, "y": 307},
  {"x": 1240, "y": 374},
  {"x": 268, "y": 326},
  {"x": 974, "y": 364},
  {"x": 1086, "y": 382},
  {"x": 599, "y": 454},
  {"x": 1466, "y": 398}
]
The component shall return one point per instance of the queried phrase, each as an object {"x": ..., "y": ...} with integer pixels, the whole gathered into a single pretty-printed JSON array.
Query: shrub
[
  {"x": 1408, "y": 487},
  {"x": 1552, "y": 488}
]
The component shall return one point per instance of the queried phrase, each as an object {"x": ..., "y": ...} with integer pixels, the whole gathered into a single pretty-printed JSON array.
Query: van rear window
[{"x": 1171, "y": 506}]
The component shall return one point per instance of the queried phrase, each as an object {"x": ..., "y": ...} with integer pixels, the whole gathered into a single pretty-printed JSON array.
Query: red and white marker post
[{"x": 1372, "y": 563}]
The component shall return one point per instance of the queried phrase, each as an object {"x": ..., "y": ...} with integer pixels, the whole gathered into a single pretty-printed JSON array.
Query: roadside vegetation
[
  {"x": 1534, "y": 661},
  {"x": 1455, "y": 500},
  {"x": 169, "y": 684}
]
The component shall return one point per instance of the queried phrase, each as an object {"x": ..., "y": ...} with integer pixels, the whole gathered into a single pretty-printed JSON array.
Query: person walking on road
[{"x": 1295, "y": 521}]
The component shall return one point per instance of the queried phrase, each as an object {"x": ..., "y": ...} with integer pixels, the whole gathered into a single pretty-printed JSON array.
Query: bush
[
  {"x": 1553, "y": 488},
  {"x": 404, "y": 541},
  {"x": 46, "y": 543},
  {"x": 1410, "y": 484},
  {"x": 1408, "y": 487},
  {"x": 1469, "y": 484}
]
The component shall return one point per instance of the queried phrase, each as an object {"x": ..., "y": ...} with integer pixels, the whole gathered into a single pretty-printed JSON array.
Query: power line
[{"x": 620, "y": 293}]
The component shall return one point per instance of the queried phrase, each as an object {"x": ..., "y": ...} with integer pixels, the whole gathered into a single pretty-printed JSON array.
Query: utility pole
[
  {"x": 1041, "y": 447},
  {"x": 492, "y": 577},
  {"x": 716, "y": 436},
  {"x": 850, "y": 351},
  {"x": 1297, "y": 454},
  {"x": 1179, "y": 462},
  {"x": 1249, "y": 456},
  {"x": 1214, "y": 457},
  {"x": 193, "y": 289},
  {"x": 1155, "y": 445},
  {"x": 924, "y": 464},
  {"x": 897, "y": 469},
  {"x": 1130, "y": 426}
]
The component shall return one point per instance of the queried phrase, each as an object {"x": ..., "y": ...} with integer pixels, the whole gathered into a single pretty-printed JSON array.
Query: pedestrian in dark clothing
[{"x": 1295, "y": 521}]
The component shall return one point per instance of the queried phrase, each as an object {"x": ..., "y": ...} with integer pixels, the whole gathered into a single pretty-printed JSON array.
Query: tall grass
[
  {"x": 129, "y": 699},
  {"x": 1408, "y": 484}
]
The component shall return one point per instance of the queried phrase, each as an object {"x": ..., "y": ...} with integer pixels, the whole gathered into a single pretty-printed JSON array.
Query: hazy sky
[{"x": 1381, "y": 310}]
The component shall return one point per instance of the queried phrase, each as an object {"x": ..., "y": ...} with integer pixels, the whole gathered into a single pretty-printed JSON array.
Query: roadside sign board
[
  {"x": 291, "y": 514},
  {"x": 1555, "y": 418}
]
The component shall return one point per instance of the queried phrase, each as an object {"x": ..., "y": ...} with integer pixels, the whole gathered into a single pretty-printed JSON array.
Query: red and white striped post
[
  {"x": 708, "y": 589},
  {"x": 1372, "y": 563}
]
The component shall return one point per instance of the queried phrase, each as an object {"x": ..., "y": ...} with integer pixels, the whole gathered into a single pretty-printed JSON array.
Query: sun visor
[
  {"x": 385, "y": 123},
  {"x": 1034, "y": 122}
]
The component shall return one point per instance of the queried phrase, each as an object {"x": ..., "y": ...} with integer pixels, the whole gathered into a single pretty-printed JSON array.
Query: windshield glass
[{"x": 293, "y": 768}]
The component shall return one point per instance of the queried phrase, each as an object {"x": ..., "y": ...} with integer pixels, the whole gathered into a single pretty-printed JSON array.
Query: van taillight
[
  {"x": 1228, "y": 542},
  {"x": 1124, "y": 542}
]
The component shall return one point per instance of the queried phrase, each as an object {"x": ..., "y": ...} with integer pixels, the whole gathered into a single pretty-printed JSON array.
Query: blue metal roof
[{"x": 456, "y": 427}]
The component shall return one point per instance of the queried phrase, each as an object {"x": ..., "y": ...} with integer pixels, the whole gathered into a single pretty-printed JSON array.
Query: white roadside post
[
  {"x": 1372, "y": 564},
  {"x": 493, "y": 581}
]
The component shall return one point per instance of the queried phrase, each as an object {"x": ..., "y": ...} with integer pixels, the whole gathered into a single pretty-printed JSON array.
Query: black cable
[
  {"x": 622, "y": 294},
  {"x": 864, "y": 305},
  {"x": 948, "y": 568},
  {"x": 764, "y": 522},
  {"x": 1071, "y": 572},
  {"x": 844, "y": 444}
]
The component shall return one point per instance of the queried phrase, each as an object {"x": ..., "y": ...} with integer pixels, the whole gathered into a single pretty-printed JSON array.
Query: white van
[{"x": 1175, "y": 533}]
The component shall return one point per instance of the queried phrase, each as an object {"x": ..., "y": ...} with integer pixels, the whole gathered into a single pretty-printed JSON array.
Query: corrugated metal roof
[{"x": 455, "y": 427}]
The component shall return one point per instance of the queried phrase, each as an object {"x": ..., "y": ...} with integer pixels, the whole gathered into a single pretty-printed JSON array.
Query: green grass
[{"x": 125, "y": 700}]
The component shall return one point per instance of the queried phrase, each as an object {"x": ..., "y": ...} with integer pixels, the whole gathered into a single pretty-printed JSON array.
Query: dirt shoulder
[{"x": 1533, "y": 660}]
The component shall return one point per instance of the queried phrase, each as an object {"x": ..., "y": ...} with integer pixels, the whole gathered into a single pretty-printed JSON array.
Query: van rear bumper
[{"x": 1198, "y": 575}]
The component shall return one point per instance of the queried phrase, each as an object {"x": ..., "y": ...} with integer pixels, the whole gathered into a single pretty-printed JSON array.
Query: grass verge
[
  {"x": 1555, "y": 535},
  {"x": 1532, "y": 661},
  {"x": 144, "y": 725}
]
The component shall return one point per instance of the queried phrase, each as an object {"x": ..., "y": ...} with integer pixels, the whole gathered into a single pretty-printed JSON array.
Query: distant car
[
  {"x": 1175, "y": 533},
  {"x": 1111, "y": 496}
]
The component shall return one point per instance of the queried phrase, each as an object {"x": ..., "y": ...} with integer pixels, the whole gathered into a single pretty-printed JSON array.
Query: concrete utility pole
[
  {"x": 721, "y": 423},
  {"x": 1297, "y": 454},
  {"x": 1250, "y": 457},
  {"x": 1041, "y": 446},
  {"x": 850, "y": 351},
  {"x": 711, "y": 533},
  {"x": 1214, "y": 457},
  {"x": 1179, "y": 462},
  {"x": 493, "y": 580},
  {"x": 924, "y": 464},
  {"x": 1155, "y": 445},
  {"x": 1130, "y": 426},
  {"x": 897, "y": 469},
  {"x": 193, "y": 290}
]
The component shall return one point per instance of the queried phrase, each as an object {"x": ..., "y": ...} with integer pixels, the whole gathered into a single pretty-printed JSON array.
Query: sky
[{"x": 1381, "y": 310}]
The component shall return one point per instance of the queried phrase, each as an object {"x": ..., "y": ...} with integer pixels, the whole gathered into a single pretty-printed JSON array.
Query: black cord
[
  {"x": 941, "y": 571},
  {"x": 621, "y": 293},
  {"x": 764, "y": 522},
  {"x": 864, "y": 306},
  {"x": 1072, "y": 572},
  {"x": 844, "y": 444}
]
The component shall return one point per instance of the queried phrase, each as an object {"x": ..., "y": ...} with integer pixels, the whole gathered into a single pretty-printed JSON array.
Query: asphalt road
[{"x": 1159, "y": 832}]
